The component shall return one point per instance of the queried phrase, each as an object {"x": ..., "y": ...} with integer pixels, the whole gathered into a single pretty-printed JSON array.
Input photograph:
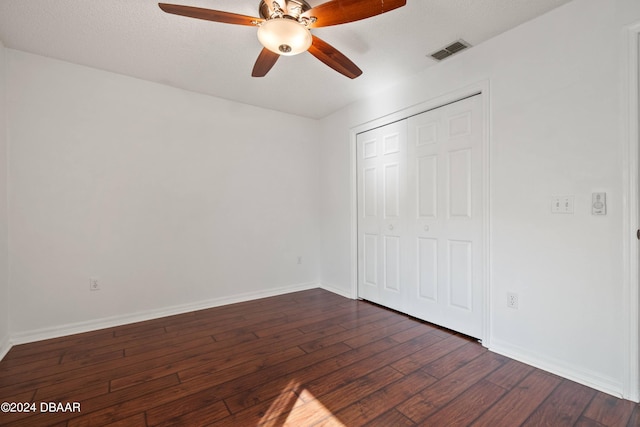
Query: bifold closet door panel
[
  {"x": 381, "y": 168},
  {"x": 444, "y": 221}
]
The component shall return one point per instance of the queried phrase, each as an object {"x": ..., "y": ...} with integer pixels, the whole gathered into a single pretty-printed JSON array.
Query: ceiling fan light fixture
[{"x": 284, "y": 36}]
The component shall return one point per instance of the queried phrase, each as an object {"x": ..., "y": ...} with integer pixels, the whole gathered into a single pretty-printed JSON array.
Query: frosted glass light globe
[{"x": 284, "y": 36}]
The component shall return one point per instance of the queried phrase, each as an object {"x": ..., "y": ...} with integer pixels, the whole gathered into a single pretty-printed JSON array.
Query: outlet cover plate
[{"x": 512, "y": 300}]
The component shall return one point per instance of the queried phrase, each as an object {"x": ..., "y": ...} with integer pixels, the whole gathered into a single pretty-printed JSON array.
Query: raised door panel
[
  {"x": 370, "y": 192},
  {"x": 392, "y": 263},
  {"x": 370, "y": 259},
  {"x": 460, "y": 281},
  {"x": 427, "y": 268},
  {"x": 427, "y": 186},
  {"x": 459, "y": 124},
  {"x": 391, "y": 143},
  {"x": 369, "y": 149},
  {"x": 458, "y": 190},
  {"x": 391, "y": 181}
]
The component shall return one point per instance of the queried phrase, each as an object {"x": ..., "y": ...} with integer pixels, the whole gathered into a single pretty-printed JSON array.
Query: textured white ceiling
[{"x": 135, "y": 38}]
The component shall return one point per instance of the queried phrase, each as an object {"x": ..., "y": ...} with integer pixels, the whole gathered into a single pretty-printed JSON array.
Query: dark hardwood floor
[{"x": 302, "y": 359}]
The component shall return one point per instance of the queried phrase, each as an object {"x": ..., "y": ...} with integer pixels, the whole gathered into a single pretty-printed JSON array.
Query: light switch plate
[
  {"x": 562, "y": 204},
  {"x": 598, "y": 203}
]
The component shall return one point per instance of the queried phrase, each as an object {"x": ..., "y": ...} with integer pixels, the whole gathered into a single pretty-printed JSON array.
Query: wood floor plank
[
  {"x": 57, "y": 346},
  {"x": 379, "y": 316},
  {"x": 201, "y": 364},
  {"x": 8, "y": 369},
  {"x": 129, "y": 342},
  {"x": 329, "y": 366},
  {"x": 398, "y": 328},
  {"x": 373, "y": 406},
  {"x": 510, "y": 374},
  {"x": 136, "y": 420},
  {"x": 587, "y": 422},
  {"x": 365, "y": 326},
  {"x": 440, "y": 349},
  {"x": 350, "y": 314},
  {"x": 608, "y": 410},
  {"x": 314, "y": 372},
  {"x": 203, "y": 385},
  {"x": 519, "y": 403},
  {"x": 139, "y": 331},
  {"x": 309, "y": 413},
  {"x": 187, "y": 412},
  {"x": 299, "y": 320},
  {"x": 390, "y": 418},
  {"x": 113, "y": 356},
  {"x": 115, "y": 369},
  {"x": 233, "y": 370},
  {"x": 634, "y": 420},
  {"x": 43, "y": 377},
  {"x": 344, "y": 375},
  {"x": 95, "y": 403},
  {"x": 298, "y": 405},
  {"x": 167, "y": 344},
  {"x": 134, "y": 405},
  {"x": 309, "y": 357},
  {"x": 434, "y": 397},
  {"x": 454, "y": 360},
  {"x": 70, "y": 389},
  {"x": 563, "y": 407},
  {"x": 27, "y": 396},
  {"x": 473, "y": 402},
  {"x": 415, "y": 331},
  {"x": 275, "y": 379}
]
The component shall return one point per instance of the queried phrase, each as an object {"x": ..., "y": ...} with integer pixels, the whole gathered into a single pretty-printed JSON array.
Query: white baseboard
[
  {"x": 108, "y": 322},
  {"x": 5, "y": 346},
  {"x": 585, "y": 377},
  {"x": 335, "y": 290}
]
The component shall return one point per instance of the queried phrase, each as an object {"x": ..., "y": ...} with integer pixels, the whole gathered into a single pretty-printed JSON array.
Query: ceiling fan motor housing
[{"x": 293, "y": 8}]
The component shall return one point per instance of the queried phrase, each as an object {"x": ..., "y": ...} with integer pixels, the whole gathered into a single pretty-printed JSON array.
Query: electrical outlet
[
  {"x": 299, "y": 260},
  {"x": 512, "y": 300},
  {"x": 94, "y": 283}
]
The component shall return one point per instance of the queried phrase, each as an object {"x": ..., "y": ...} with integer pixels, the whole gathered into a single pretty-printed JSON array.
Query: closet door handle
[{"x": 390, "y": 227}]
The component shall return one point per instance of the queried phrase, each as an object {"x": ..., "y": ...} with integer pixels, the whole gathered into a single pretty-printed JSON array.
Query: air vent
[{"x": 453, "y": 48}]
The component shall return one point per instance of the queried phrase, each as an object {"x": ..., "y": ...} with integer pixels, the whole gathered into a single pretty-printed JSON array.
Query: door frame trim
[
  {"x": 630, "y": 109},
  {"x": 479, "y": 88}
]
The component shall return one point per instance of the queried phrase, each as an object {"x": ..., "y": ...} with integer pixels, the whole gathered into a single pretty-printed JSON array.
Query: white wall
[
  {"x": 555, "y": 96},
  {"x": 4, "y": 285},
  {"x": 172, "y": 199},
  {"x": 176, "y": 200}
]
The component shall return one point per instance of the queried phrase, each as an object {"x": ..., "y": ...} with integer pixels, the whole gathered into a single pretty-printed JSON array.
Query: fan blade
[
  {"x": 209, "y": 14},
  {"x": 263, "y": 64},
  {"x": 333, "y": 58},
  {"x": 342, "y": 11}
]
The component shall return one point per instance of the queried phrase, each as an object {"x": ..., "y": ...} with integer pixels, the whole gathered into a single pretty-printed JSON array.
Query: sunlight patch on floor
[{"x": 295, "y": 401}]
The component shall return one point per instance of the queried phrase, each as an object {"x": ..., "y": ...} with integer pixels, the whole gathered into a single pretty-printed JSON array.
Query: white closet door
[
  {"x": 420, "y": 216},
  {"x": 381, "y": 168},
  {"x": 444, "y": 220}
]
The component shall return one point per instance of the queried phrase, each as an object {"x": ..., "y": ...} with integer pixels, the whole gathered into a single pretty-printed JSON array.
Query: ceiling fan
[{"x": 284, "y": 27}]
